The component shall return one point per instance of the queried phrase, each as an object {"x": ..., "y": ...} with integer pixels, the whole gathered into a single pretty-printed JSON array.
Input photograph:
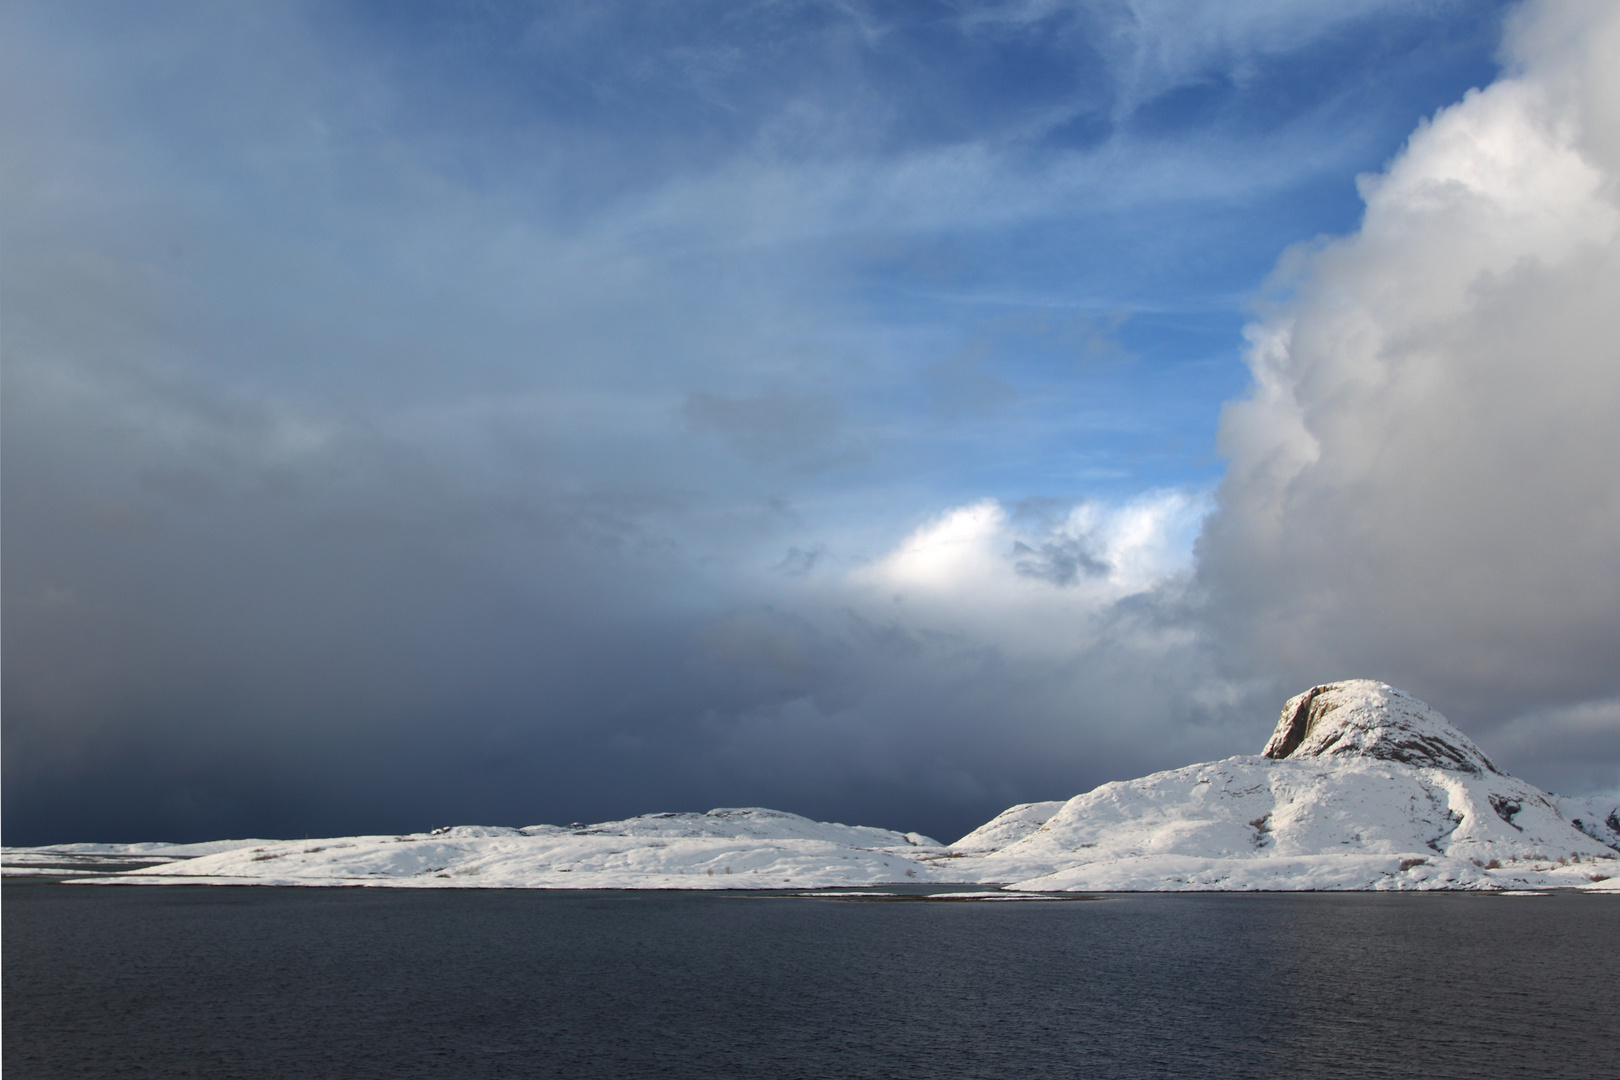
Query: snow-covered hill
[
  {"x": 67, "y": 860},
  {"x": 1360, "y": 787},
  {"x": 749, "y": 848}
]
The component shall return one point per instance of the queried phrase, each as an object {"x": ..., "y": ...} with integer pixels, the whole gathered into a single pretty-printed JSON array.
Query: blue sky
[{"x": 510, "y": 411}]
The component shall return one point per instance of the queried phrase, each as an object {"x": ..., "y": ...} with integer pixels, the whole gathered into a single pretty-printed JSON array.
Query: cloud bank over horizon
[{"x": 564, "y": 414}]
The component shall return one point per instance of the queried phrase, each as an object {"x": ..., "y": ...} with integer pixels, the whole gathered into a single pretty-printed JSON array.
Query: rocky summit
[{"x": 1364, "y": 718}]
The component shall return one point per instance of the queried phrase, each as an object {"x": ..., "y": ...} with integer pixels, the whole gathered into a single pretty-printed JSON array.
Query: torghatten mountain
[{"x": 1361, "y": 786}]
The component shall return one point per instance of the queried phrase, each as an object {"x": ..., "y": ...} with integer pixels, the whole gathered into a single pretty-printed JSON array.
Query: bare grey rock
[{"x": 1366, "y": 718}]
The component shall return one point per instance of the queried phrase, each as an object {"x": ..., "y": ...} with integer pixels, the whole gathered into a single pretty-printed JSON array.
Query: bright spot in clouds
[{"x": 1097, "y": 553}]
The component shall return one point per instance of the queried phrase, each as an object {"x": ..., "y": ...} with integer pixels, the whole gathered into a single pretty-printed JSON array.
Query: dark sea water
[{"x": 353, "y": 983}]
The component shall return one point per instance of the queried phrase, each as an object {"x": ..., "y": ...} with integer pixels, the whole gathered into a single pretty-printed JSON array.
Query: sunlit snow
[{"x": 1360, "y": 787}]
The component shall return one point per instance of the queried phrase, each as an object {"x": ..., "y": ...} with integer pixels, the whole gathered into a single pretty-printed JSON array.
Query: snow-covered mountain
[{"x": 1361, "y": 786}]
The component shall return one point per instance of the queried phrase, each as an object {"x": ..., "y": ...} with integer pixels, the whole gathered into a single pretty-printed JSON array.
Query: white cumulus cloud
[
  {"x": 1033, "y": 584},
  {"x": 1422, "y": 483}
]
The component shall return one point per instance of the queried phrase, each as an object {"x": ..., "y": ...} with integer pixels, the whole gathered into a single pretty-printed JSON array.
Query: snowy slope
[
  {"x": 1360, "y": 787},
  {"x": 748, "y": 848},
  {"x": 63, "y": 860},
  {"x": 1008, "y": 827}
]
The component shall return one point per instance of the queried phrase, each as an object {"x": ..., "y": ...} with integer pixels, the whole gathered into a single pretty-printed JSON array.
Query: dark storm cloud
[{"x": 405, "y": 420}]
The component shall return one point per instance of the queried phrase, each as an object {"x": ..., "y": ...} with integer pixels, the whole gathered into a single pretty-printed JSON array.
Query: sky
[{"x": 504, "y": 413}]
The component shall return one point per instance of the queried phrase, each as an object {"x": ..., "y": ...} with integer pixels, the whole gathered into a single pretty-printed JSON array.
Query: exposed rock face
[{"x": 1364, "y": 718}]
